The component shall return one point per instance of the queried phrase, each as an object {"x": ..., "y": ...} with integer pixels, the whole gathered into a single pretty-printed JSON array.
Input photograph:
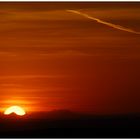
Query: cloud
[
  {"x": 104, "y": 22},
  {"x": 2, "y": 77}
]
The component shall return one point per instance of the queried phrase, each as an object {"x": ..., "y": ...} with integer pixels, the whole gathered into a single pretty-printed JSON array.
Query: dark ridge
[{"x": 68, "y": 124}]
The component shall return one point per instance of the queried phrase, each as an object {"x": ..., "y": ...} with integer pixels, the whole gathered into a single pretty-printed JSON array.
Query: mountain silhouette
[{"x": 65, "y": 123}]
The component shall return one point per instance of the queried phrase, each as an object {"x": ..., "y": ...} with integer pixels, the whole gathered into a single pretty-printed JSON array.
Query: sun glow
[{"x": 15, "y": 109}]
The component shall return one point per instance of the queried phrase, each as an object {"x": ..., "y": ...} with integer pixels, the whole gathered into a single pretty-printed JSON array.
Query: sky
[{"x": 82, "y": 57}]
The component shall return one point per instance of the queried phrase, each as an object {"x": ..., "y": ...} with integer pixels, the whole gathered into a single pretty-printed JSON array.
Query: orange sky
[{"x": 54, "y": 59}]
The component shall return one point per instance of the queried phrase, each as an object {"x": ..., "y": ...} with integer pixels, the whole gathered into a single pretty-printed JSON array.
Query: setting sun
[{"x": 15, "y": 109}]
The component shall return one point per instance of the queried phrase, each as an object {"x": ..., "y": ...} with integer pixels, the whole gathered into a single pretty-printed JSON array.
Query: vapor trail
[{"x": 104, "y": 22}]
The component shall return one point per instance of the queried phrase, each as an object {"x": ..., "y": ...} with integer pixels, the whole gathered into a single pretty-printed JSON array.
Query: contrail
[{"x": 104, "y": 22}]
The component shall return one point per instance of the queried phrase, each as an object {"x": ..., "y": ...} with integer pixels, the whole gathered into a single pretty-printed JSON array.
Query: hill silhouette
[{"x": 68, "y": 124}]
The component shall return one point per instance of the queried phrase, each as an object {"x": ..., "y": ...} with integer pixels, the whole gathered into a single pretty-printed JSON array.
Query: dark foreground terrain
[{"x": 65, "y": 124}]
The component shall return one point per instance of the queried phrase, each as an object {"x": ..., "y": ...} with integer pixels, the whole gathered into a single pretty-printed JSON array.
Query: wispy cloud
[
  {"x": 119, "y": 27},
  {"x": 30, "y": 76}
]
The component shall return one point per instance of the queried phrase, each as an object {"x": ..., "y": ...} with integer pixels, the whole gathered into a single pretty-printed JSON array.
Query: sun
[{"x": 15, "y": 109}]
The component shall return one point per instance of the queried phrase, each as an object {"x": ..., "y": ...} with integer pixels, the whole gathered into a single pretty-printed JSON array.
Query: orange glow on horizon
[{"x": 82, "y": 57}]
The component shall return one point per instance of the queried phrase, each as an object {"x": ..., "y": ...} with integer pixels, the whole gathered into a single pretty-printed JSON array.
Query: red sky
[{"x": 54, "y": 59}]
